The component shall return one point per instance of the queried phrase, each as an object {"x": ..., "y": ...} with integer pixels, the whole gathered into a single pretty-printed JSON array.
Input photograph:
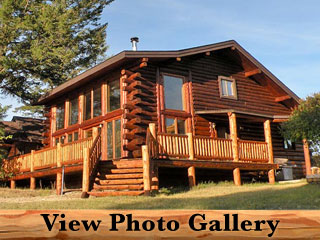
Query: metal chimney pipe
[{"x": 134, "y": 41}]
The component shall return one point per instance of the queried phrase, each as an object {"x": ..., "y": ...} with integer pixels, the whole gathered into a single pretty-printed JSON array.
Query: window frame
[
  {"x": 175, "y": 122},
  {"x": 234, "y": 87},
  {"x": 64, "y": 116}
]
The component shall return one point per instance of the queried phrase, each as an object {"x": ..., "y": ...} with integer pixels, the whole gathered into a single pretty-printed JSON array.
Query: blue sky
[{"x": 284, "y": 35}]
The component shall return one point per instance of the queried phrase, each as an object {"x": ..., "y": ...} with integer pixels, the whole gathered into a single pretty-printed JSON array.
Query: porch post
[
  {"x": 307, "y": 157},
  {"x": 85, "y": 174},
  {"x": 146, "y": 169},
  {"x": 191, "y": 170},
  {"x": 235, "y": 146},
  {"x": 32, "y": 179},
  {"x": 268, "y": 139},
  {"x": 12, "y": 184},
  {"x": 59, "y": 174}
]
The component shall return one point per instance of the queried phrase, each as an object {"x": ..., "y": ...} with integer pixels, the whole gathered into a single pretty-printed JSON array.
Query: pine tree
[{"x": 45, "y": 43}]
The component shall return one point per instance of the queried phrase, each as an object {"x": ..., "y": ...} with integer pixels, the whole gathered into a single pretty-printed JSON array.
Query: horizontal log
[
  {"x": 282, "y": 98},
  {"x": 139, "y": 110},
  {"x": 252, "y": 72},
  {"x": 131, "y": 147},
  {"x": 126, "y": 72}
]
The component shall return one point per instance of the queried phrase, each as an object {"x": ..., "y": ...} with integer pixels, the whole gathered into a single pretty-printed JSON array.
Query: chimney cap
[{"x": 134, "y": 39}]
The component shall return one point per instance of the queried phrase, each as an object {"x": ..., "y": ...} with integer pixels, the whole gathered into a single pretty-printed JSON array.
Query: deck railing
[
  {"x": 173, "y": 145},
  {"x": 212, "y": 148},
  {"x": 253, "y": 151},
  {"x": 47, "y": 157},
  {"x": 204, "y": 148}
]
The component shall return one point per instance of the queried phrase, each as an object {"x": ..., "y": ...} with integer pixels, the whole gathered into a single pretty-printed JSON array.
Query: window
[
  {"x": 60, "y": 140},
  {"x": 73, "y": 111},
  {"x": 288, "y": 144},
  {"x": 113, "y": 95},
  {"x": 87, "y": 106},
  {"x": 175, "y": 126},
  {"x": 73, "y": 137},
  {"x": 88, "y": 133},
  {"x": 173, "y": 92},
  {"x": 227, "y": 87},
  {"x": 60, "y": 117},
  {"x": 96, "y": 102},
  {"x": 114, "y": 139},
  {"x": 92, "y": 103}
]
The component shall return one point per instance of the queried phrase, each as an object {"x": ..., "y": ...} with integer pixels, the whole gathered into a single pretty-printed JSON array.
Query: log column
[
  {"x": 146, "y": 169},
  {"x": 85, "y": 174},
  {"x": 268, "y": 139},
  {"x": 191, "y": 170},
  {"x": 12, "y": 184},
  {"x": 307, "y": 157},
  {"x": 235, "y": 146},
  {"x": 32, "y": 179},
  {"x": 154, "y": 168},
  {"x": 59, "y": 174}
]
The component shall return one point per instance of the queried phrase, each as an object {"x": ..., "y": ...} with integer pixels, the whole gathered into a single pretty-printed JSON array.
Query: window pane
[
  {"x": 229, "y": 87},
  {"x": 117, "y": 138},
  {"x": 57, "y": 141},
  {"x": 75, "y": 136},
  {"x": 60, "y": 117},
  {"x": 97, "y": 102},
  {"x": 73, "y": 111},
  {"x": 223, "y": 88},
  {"x": 88, "y": 133},
  {"x": 87, "y": 106},
  {"x": 69, "y": 138},
  {"x": 170, "y": 127},
  {"x": 109, "y": 141},
  {"x": 173, "y": 92},
  {"x": 62, "y": 140},
  {"x": 181, "y": 126},
  {"x": 113, "y": 96}
]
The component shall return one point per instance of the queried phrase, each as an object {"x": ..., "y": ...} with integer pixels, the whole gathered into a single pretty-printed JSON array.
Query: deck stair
[{"x": 118, "y": 177}]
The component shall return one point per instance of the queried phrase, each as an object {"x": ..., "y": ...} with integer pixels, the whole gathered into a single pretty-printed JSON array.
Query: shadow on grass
[{"x": 303, "y": 197}]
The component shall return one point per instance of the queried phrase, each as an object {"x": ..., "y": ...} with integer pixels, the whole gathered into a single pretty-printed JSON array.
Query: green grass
[{"x": 204, "y": 196}]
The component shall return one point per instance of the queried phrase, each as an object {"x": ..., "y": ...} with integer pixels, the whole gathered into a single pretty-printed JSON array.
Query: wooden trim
[
  {"x": 252, "y": 72},
  {"x": 234, "y": 87},
  {"x": 90, "y": 123}
]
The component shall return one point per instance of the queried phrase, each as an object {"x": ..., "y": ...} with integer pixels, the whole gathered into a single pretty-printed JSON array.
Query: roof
[
  {"x": 127, "y": 56},
  {"x": 24, "y": 129}
]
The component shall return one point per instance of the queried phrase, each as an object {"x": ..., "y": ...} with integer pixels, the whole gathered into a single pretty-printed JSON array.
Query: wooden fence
[
  {"x": 210, "y": 148},
  {"x": 173, "y": 145}
]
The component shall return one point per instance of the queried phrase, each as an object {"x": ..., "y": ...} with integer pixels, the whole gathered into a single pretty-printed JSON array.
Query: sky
[{"x": 284, "y": 35}]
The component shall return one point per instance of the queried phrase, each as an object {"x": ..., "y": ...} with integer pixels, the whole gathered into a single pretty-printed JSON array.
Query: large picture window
[
  {"x": 60, "y": 116},
  {"x": 96, "y": 102},
  {"x": 73, "y": 111},
  {"x": 175, "y": 126},
  {"x": 113, "y": 96},
  {"x": 173, "y": 92},
  {"x": 87, "y": 106}
]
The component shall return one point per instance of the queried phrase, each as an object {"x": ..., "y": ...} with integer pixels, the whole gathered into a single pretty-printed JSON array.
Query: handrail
[
  {"x": 253, "y": 151},
  {"x": 94, "y": 153}
]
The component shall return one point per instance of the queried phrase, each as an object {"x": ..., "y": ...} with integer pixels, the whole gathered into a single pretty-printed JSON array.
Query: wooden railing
[
  {"x": 173, "y": 145},
  {"x": 212, "y": 148},
  {"x": 73, "y": 152},
  {"x": 48, "y": 157},
  {"x": 253, "y": 151},
  {"x": 91, "y": 157},
  {"x": 203, "y": 148}
]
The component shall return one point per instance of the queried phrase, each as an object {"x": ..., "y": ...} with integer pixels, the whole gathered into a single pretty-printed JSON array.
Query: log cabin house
[{"x": 119, "y": 123}]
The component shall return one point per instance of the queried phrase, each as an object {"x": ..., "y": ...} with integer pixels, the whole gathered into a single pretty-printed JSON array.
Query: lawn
[{"x": 223, "y": 195}]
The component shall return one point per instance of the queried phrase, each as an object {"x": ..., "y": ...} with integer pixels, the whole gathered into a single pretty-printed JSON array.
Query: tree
[
  {"x": 45, "y": 43},
  {"x": 304, "y": 122}
]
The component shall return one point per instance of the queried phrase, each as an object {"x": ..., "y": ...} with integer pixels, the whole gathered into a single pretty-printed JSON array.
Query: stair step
[
  {"x": 116, "y": 193},
  {"x": 123, "y": 170},
  {"x": 118, "y": 187},
  {"x": 120, "y": 164},
  {"x": 123, "y": 176},
  {"x": 120, "y": 181}
]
